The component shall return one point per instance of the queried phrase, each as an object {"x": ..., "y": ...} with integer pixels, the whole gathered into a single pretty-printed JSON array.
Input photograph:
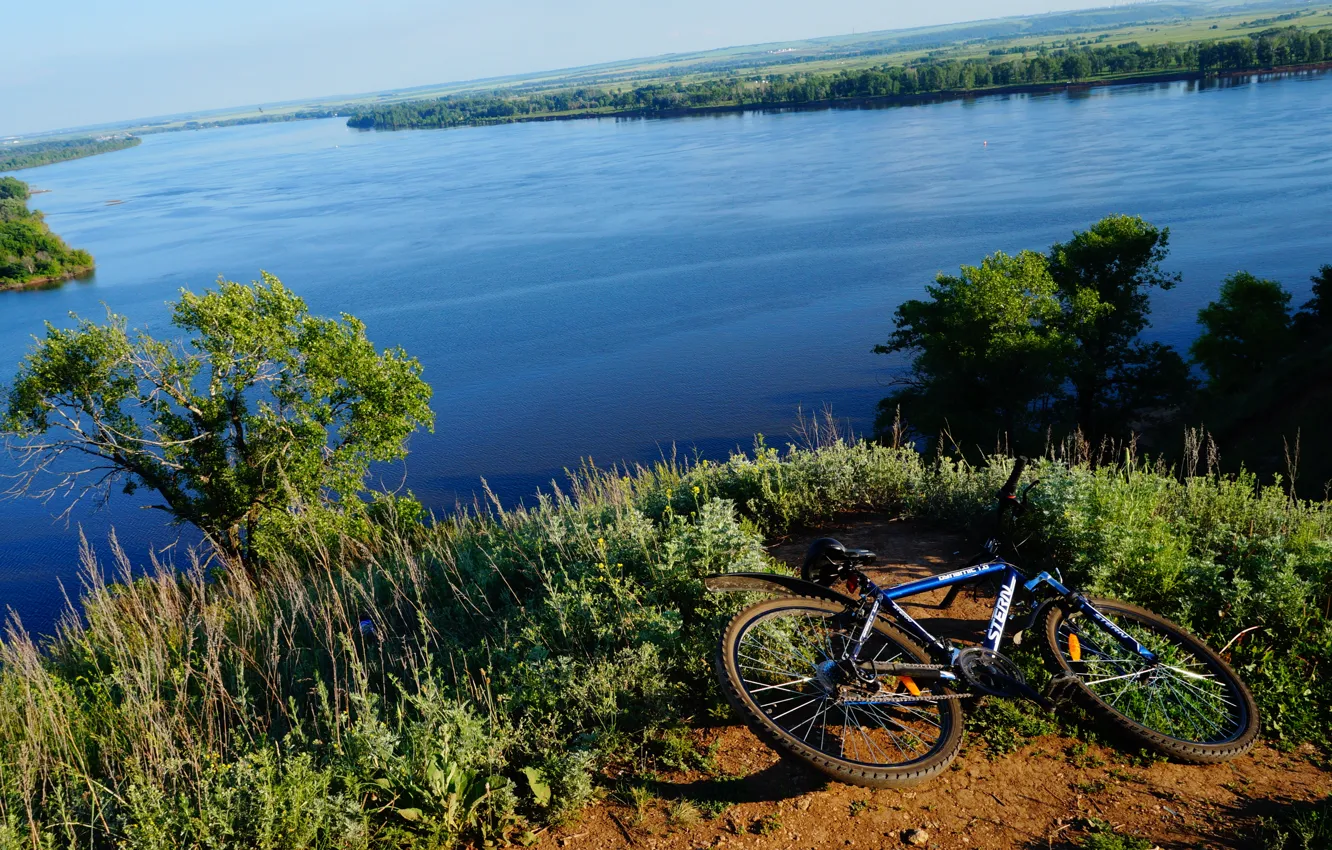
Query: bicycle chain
[{"x": 905, "y": 699}]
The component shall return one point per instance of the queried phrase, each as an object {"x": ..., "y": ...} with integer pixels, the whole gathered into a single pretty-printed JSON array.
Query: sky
[{"x": 81, "y": 62}]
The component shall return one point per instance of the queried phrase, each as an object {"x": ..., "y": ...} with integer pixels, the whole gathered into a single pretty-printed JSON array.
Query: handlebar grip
[{"x": 1010, "y": 487}]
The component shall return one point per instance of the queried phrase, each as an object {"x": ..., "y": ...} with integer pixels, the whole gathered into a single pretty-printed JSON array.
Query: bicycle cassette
[{"x": 991, "y": 673}]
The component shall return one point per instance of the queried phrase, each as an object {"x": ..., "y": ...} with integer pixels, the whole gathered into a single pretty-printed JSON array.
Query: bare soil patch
[{"x": 1042, "y": 796}]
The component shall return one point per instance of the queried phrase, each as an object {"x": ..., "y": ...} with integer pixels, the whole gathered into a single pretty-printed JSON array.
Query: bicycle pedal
[{"x": 1060, "y": 689}]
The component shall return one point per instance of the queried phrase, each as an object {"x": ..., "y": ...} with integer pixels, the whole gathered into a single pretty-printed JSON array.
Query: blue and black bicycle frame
[{"x": 1009, "y": 578}]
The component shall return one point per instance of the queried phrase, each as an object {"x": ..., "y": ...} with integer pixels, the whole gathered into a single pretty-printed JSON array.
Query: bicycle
[{"x": 853, "y": 686}]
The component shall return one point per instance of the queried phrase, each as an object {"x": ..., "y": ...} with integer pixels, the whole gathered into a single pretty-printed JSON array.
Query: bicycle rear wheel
[
  {"x": 1189, "y": 704},
  {"x": 777, "y": 667}
]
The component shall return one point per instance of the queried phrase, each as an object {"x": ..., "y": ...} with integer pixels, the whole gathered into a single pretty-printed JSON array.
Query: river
[{"x": 613, "y": 288}]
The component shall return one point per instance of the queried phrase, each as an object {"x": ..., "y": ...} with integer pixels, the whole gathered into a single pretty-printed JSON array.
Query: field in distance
[{"x": 1145, "y": 23}]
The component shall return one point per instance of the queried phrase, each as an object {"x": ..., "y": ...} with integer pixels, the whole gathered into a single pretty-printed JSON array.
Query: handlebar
[{"x": 1009, "y": 490}]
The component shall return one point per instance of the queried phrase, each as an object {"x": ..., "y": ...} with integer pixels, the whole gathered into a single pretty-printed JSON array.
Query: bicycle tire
[
  {"x": 1210, "y": 680},
  {"x": 736, "y": 687}
]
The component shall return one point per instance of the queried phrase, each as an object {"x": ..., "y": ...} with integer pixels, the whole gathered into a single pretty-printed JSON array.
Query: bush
[
  {"x": 461, "y": 680},
  {"x": 1300, "y": 826}
]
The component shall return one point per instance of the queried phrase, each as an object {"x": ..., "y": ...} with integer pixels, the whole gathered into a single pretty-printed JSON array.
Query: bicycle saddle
[{"x": 828, "y": 558}]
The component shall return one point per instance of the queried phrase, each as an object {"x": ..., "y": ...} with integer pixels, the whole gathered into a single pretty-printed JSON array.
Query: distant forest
[
  {"x": 1270, "y": 48},
  {"x": 29, "y": 251},
  {"x": 33, "y": 154}
]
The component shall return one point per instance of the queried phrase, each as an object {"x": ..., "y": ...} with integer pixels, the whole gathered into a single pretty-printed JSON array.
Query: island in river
[{"x": 29, "y": 252}]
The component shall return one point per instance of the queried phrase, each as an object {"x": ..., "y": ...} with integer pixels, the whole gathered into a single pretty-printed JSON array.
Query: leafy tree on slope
[{"x": 258, "y": 428}]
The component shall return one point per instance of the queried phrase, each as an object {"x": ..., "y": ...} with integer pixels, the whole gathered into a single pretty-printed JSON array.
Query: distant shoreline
[
  {"x": 923, "y": 98},
  {"x": 39, "y": 282}
]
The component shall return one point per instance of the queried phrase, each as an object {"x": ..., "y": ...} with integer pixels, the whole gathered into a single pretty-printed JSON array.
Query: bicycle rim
[
  {"x": 786, "y": 661},
  {"x": 1184, "y": 695}
]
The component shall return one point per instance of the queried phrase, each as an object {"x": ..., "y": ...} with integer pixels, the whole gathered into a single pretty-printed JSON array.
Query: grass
[
  {"x": 1106, "y": 838},
  {"x": 1006, "y": 725},
  {"x": 518, "y": 656},
  {"x": 1080, "y": 754},
  {"x": 765, "y": 824},
  {"x": 1300, "y": 826}
]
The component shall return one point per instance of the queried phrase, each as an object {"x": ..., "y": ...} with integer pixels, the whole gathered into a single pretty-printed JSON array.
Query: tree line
[
  {"x": 263, "y": 118},
  {"x": 1266, "y": 49},
  {"x": 1033, "y": 348},
  {"x": 33, "y": 154},
  {"x": 29, "y": 251}
]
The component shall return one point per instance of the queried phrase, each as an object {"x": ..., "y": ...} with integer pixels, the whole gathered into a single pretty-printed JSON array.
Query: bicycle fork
[{"x": 1124, "y": 639}]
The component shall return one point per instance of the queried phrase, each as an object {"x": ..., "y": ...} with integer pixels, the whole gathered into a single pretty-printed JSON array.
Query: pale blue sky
[{"x": 91, "y": 61}]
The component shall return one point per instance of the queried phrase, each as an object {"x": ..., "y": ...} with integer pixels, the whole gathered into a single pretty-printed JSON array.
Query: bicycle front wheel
[
  {"x": 1188, "y": 704},
  {"x": 778, "y": 666}
]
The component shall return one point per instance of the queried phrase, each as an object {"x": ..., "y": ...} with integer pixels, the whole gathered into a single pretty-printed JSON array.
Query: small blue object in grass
[{"x": 368, "y": 627}]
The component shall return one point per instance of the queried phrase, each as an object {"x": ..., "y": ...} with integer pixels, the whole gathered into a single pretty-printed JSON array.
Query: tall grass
[{"x": 469, "y": 679}]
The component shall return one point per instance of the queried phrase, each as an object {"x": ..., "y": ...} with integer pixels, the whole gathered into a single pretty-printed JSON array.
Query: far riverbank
[
  {"x": 378, "y": 121},
  {"x": 972, "y": 94}
]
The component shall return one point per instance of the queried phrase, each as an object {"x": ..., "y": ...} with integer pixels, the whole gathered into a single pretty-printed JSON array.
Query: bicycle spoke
[
  {"x": 783, "y": 661},
  {"x": 805, "y": 704},
  {"x": 874, "y": 711},
  {"x": 781, "y": 684},
  {"x": 822, "y": 712},
  {"x": 1116, "y": 678},
  {"x": 1178, "y": 696},
  {"x": 1207, "y": 722},
  {"x": 754, "y": 665}
]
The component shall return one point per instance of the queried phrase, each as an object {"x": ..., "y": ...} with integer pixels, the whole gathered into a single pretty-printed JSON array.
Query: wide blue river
[{"x": 610, "y": 289}]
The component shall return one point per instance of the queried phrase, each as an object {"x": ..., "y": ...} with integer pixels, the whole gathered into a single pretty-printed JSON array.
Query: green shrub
[
  {"x": 458, "y": 681},
  {"x": 1006, "y": 725},
  {"x": 1300, "y": 826}
]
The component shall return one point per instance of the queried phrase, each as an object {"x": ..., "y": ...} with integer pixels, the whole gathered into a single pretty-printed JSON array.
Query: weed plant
[{"x": 469, "y": 679}]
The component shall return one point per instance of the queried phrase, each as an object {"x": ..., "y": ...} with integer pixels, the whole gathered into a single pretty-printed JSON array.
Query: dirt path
[{"x": 1047, "y": 794}]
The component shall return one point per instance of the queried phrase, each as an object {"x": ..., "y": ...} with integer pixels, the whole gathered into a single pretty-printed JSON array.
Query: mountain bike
[{"x": 852, "y": 685}]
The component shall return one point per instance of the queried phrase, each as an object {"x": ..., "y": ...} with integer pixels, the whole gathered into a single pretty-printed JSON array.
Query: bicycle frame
[{"x": 994, "y": 635}]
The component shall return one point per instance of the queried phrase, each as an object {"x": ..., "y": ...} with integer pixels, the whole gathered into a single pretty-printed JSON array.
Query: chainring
[{"x": 991, "y": 673}]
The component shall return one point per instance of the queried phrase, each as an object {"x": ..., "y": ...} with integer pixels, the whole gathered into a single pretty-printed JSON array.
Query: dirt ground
[{"x": 1044, "y": 795}]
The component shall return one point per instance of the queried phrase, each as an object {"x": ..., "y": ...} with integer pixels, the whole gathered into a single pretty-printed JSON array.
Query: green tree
[
  {"x": 1105, "y": 275},
  {"x": 260, "y": 425},
  {"x": 11, "y": 187},
  {"x": 1314, "y": 320},
  {"x": 1077, "y": 66},
  {"x": 983, "y": 347},
  {"x": 1246, "y": 332},
  {"x": 12, "y": 209}
]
